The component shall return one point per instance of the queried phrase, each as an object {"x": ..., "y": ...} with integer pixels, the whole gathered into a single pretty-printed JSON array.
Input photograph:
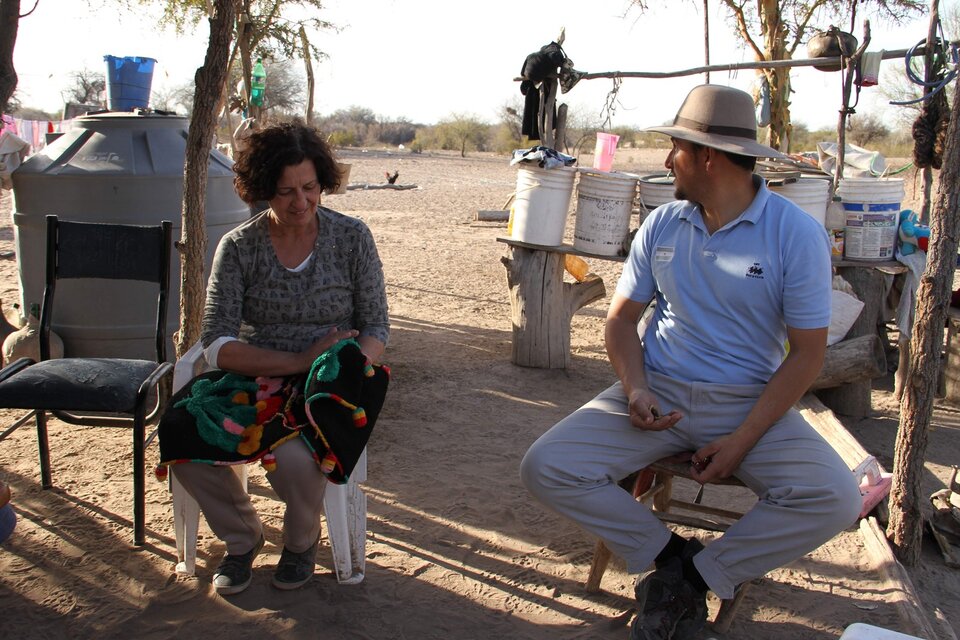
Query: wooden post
[
  {"x": 548, "y": 101},
  {"x": 560, "y": 137},
  {"x": 852, "y": 61},
  {"x": 542, "y": 305}
]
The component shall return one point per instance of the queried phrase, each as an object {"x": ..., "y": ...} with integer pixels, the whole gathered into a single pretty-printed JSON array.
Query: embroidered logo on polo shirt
[{"x": 755, "y": 271}]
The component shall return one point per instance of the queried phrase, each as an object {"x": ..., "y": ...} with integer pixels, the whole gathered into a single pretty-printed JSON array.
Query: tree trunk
[
  {"x": 916, "y": 405},
  {"x": 244, "y": 44},
  {"x": 774, "y": 33},
  {"x": 209, "y": 79},
  {"x": 308, "y": 66},
  {"x": 928, "y": 77},
  {"x": 9, "y": 23}
]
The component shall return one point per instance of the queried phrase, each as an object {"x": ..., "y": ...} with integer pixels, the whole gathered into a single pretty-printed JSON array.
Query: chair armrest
[
  {"x": 15, "y": 367},
  {"x": 189, "y": 366}
]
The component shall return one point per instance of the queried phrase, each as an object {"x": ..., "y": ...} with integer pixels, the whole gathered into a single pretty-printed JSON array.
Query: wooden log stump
[
  {"x": 853, "y": 399},
  {"x": 542, "y": 305},
  {"x": 858, "y": 359}
]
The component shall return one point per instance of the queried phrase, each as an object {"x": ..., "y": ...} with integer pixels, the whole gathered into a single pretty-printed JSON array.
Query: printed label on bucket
[{"x": 870, "y": 236}]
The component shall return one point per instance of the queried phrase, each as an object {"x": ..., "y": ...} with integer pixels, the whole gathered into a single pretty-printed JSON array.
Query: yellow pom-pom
[
  {"x": 328, "y": 464},
  {"x": 241, "y": 397}
]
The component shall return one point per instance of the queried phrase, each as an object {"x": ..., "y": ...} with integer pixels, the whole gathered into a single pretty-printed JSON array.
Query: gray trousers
[
  {"x": 297, "y": 480},
  {"x": 807, "y": 494}
]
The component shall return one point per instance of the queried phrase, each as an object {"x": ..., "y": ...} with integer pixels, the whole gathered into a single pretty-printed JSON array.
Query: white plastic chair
[{"x": 344, "y": 505}]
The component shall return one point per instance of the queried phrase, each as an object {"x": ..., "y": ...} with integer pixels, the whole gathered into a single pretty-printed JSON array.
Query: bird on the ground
[{"x": 392, "y": 179}]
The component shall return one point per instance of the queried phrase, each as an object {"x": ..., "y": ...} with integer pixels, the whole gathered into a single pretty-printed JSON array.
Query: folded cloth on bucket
[
  {"x": 227, "y": 418},
  {"x": 545, "y": 157}
]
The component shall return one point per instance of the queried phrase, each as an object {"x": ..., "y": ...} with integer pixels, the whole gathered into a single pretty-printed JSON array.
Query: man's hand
[
  {"x": 645, "y": 412},
  {"x": 719, "y": 459}
]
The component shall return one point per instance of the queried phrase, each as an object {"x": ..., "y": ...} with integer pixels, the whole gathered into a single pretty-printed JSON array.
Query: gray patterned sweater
[{"x": 253, "y": 297}]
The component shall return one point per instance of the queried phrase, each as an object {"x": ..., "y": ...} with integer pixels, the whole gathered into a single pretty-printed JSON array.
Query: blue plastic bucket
[{"x": 128, "y": 82}]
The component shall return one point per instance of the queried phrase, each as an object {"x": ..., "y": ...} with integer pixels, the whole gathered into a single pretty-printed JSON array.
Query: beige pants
[{"x": 297, "y": 480}]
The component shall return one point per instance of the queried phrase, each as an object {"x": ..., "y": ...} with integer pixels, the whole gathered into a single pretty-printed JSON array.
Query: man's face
[{"x": 686, "y": 163}]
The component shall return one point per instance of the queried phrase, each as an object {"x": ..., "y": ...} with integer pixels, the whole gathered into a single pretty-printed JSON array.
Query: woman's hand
[
  {"x": 330, "y": 338},
  {"x": 645, "y": 412}
]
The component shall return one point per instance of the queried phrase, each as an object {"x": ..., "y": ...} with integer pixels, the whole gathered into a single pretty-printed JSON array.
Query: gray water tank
[{"x": 122, "y": 168}]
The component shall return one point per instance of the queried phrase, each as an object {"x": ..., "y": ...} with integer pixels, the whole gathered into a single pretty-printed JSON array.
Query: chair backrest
[{"x": 109, "y": 251}]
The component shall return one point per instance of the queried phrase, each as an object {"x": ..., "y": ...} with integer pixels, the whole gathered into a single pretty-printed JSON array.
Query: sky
[{"x": 425, "y": 60}]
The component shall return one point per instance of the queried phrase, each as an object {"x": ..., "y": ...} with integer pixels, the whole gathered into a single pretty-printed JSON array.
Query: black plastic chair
[{"x": 81, "y": 390}]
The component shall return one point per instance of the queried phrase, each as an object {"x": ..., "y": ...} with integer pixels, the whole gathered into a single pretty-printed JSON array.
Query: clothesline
[{"x": 33, "y": 132}]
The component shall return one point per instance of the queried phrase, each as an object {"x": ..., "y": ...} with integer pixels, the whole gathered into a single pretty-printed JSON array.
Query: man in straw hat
[{"x": 735, "y": 272}]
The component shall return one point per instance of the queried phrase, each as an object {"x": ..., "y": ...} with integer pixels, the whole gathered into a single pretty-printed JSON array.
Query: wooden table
[{"x": 542, "y": 305}]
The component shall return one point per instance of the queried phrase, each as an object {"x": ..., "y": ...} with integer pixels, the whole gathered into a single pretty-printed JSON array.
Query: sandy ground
[{"x": 456, "y": 549}]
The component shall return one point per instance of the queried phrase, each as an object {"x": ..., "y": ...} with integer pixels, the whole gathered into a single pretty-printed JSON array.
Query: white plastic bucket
[
  {"x": 541, "y": 204},
  {"x": 872, "y": 209},
  {"x": 655, "y": 190},
  {"x": 810, "y": 194},
  {"x": 604, "y": 204}
]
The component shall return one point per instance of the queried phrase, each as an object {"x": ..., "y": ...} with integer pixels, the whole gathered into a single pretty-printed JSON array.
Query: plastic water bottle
[
  {"x": 836, "y": 222},
  {"x": 258, "y": 83}
]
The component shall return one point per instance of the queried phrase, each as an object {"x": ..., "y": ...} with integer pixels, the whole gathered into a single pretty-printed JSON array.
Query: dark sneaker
[
  {"x": 670, "y": 607},
  {"x": 295, "y": 569},
  {"x": 235, "y": 572}
]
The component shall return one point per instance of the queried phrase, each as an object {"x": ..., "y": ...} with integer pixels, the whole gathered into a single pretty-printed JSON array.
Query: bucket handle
[{"x": 528, "y": 188}]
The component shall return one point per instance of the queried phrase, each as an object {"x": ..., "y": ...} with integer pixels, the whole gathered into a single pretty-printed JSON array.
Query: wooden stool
[{"x": 656, "y": 483}]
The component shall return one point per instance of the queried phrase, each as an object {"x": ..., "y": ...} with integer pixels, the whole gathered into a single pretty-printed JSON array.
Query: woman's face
[{"x": 298, "y": 194}]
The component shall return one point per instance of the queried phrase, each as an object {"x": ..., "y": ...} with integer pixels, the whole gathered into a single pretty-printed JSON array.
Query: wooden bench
[{"x": 655, "y": 484}]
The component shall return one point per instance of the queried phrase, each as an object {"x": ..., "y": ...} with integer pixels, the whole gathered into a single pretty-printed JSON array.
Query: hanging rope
[
  {"x": 930, "y": 128},
  {"x": 610, "y": 106}
]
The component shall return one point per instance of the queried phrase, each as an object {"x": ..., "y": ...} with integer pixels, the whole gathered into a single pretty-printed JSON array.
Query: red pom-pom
[{"x": 269, "y": 462}]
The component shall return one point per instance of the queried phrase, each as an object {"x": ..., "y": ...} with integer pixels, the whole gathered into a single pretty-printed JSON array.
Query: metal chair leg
[
  {"x": 139, "y": 489},
  {"x": 44, "y": 446}
]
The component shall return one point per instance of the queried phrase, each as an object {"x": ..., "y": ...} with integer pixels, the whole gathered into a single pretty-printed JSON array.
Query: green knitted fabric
[
  {"x": 211, "y": 402},
  {"x": 326, "y": 368}
]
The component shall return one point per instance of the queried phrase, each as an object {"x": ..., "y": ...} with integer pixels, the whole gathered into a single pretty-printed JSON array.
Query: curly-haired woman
[{"x": 286, "y": 286}]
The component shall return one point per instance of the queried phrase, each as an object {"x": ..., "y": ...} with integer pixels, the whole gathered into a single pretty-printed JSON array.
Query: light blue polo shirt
[{"x": 724, "y": 300}]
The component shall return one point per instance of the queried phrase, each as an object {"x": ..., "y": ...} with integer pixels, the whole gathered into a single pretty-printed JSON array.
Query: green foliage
[
  {"x": 866, "y": 129},
  {"x": 462, "y": 133},
  {"x": 272, "y": 30},
  {"x": 352, "y": 124},
  {"x": 394, "y": 132},
  {"x": 504, "y": 139},
  {"x": 342, "y": 139}
]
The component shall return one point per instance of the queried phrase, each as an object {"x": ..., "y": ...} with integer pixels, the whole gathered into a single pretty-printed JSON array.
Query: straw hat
[{"x": 719, "y": 117}]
